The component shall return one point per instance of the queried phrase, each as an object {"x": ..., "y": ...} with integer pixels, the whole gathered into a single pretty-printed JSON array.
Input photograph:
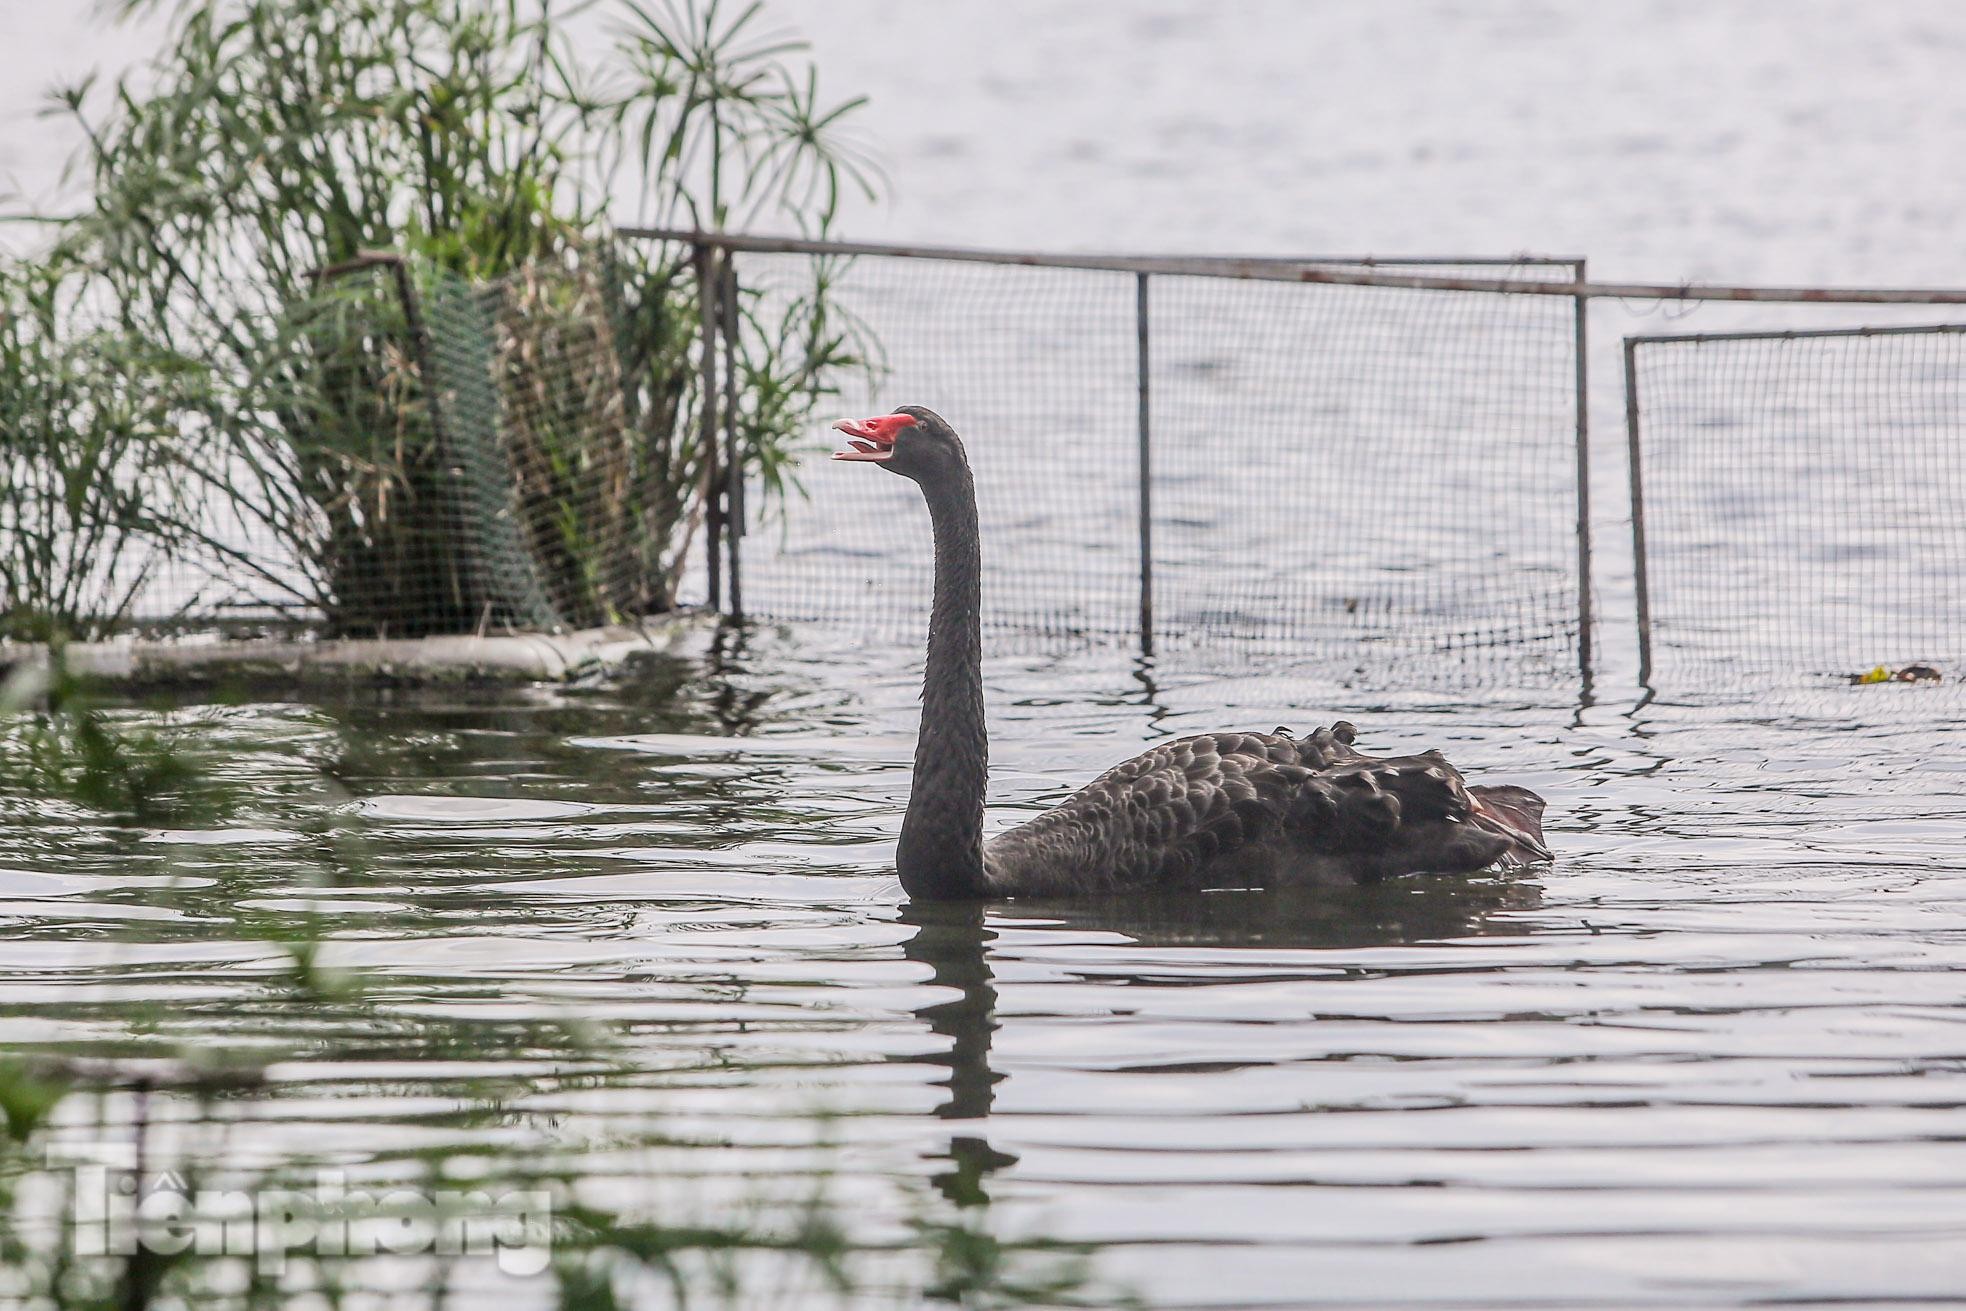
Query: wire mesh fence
[
  {"x": 1366, "y": 471},
  {"x": 440, "y": 455},
  {"x": 1037, "y": 372},
  {"x": 1799, "y": 504},
  {"x": 1366, "y": 479},
  {"x": 1377, "y": 482},
  {"x": 567, "y": 506}
]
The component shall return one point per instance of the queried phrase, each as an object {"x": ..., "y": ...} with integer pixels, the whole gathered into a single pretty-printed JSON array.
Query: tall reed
[{"x": 89, "y": 504}]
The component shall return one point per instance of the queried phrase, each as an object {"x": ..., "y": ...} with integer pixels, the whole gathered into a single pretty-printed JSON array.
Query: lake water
[
  {"x": 1711, "y": 1056},
  {"x": 645, "y": 936}
]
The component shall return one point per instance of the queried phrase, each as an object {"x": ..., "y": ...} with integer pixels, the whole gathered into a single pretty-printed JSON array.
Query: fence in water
[
  {"x": 1376, "y": 469},
  {"x": 1373, "y": 471},
  {"x": 1370, "y": 481},
  {"x": 1798, "y": 503}
]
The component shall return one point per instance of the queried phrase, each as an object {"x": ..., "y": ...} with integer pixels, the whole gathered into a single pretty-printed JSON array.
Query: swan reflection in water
[{"x": 954, "y": 939}]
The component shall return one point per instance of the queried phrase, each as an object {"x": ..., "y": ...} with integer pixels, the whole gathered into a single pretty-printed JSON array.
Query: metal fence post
[
  {"x": 706, "y": 433},
  {"x": 1583, "y": 483},
  {"x": 1641, "y": 584},
  {"x": 733, "y": 484},
  {"x": 1146, "y": 468}
]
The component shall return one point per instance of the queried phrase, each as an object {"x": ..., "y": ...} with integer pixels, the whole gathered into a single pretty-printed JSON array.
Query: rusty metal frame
[{"x": 1319, "y": 269}]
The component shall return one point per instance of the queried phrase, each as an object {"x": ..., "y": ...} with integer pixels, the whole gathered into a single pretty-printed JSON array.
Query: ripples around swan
[{"x": 1713, "y": 1054}]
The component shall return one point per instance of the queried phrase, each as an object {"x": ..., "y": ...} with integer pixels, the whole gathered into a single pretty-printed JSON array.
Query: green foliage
[
  {"x": 27, "y": 1096},
  {"x": 274, "y": 142},
  {"x": 974, "y": 1267},
  {"x": 88, "y": 507}
]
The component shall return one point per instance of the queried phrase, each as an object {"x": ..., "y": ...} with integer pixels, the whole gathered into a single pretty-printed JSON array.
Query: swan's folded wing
[
  {"x": 1169, "y": 817},
  {"x": 1227, "y": 809}
]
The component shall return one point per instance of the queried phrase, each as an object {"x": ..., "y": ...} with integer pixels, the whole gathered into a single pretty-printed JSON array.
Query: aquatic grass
[
  {"x": 785, "y": 1241},
  {"x": 59, "y": 746}
]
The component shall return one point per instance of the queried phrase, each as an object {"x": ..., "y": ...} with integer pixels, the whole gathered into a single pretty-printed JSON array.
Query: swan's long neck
[{"x": 940, "y": 856}]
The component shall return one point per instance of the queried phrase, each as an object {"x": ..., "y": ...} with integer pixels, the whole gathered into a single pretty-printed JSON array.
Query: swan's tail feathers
[{"x": 1514, "y": 813}]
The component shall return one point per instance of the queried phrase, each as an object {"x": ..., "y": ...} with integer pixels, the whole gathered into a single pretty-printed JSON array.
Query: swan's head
[
  {"x": 913, "y": 441},
  {"x": 1416, "y": 814}
]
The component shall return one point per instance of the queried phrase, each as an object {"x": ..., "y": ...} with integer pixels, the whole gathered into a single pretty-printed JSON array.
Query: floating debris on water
[{"x": 1908, "y": 674}]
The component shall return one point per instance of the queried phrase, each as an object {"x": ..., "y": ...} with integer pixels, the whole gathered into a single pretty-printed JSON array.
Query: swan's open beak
[{"x": 871, "y": 440}]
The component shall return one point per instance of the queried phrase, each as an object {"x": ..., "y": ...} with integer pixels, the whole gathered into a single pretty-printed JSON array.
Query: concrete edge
[{"x": 496, "y": 658}]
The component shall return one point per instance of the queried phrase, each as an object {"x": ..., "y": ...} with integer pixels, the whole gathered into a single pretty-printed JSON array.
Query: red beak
[{"x": 872, "y": 440}]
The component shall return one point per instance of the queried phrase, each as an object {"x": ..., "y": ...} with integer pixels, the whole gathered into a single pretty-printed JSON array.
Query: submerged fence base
[{"x": 514, "y": 658}]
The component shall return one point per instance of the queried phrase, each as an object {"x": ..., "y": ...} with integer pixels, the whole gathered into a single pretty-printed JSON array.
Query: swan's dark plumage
[
  {"x": 1225, "y": 809},
  {"x": 1216, "y": 809}
]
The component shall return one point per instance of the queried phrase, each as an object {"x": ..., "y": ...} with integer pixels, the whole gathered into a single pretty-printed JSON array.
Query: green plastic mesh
[
  {"x": 461, "y": 353},
  {"x": 413, "y": 453},
  {"x": 479, "y": 456}
]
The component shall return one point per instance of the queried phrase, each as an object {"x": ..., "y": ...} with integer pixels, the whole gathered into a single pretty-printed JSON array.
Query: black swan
[{"x": 1218, "y": 809}]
